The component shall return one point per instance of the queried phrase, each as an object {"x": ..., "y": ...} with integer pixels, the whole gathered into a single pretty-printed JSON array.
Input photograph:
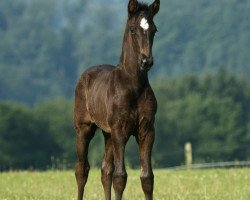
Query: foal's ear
[
  {"x": 132, "y": 6},
  {"x": 155, "y": 7}
]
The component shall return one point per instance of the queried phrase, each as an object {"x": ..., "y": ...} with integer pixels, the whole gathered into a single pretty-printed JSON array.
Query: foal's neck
[{"x": 129, "y": 61}]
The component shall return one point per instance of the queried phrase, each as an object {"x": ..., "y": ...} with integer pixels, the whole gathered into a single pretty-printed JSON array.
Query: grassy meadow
[{"x": 215, "y": 184}]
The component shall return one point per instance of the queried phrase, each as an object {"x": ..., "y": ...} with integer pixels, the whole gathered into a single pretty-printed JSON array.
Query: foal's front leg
[
  {"x": 120, "y": 175},
  {"x": 145, "y": 140}
]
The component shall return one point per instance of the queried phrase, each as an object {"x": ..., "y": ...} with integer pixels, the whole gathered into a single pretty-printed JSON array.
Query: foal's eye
[{"x": 132, "y": 30}]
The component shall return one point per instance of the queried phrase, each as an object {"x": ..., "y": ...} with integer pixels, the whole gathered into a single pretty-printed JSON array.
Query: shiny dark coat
[{"x": 120, "y": 101}]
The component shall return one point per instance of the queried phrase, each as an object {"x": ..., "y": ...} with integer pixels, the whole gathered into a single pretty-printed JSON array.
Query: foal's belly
[
  {"x": 97, "y": 108},
  {"x": 108, "y": 118},
  {"x": 125, "y": 122},
  {"x": 101, "y": 122}
]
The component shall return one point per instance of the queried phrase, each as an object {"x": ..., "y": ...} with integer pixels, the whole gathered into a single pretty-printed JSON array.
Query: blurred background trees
[
  {"x": 210, "y": 111},
  {"x": 200, "y": 77}
]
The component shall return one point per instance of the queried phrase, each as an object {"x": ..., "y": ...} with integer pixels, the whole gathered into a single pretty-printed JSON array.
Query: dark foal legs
[
  {"x": 120, "y": 174},
  {"x": 84, "y": 134},
  {"x": 147, "y": 177},
  {"x": 107, "y": 166}
]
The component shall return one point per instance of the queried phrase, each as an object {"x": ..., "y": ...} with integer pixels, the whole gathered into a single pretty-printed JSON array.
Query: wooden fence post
[{"x": 188, "y": 155}]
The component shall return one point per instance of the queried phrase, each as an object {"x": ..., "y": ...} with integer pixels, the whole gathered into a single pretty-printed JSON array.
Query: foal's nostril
[
  {"x": 144, "y": 61},
  {"x": 147, "y": 61}
]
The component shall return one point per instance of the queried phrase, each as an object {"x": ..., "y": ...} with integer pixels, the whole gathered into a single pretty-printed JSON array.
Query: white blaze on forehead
[{"x": 144, "y": 24}]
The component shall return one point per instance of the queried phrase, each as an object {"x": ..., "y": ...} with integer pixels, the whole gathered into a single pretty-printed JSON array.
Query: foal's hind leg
[
  {"x": 85, "y": 133},
  {"x": 107, "y": 166}
]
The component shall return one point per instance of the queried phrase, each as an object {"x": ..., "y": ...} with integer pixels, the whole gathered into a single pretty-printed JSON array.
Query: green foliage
[
  {"x": 41, "y": 137},
  {"x": 58, "y": 114},
  {"x": 197, "y": 36},
  {"x": 46, "y": 44},
  {"x": 25, "y": 139},
  {"x": 210, "y": 112},
  {"x": 34, "y": 55}
]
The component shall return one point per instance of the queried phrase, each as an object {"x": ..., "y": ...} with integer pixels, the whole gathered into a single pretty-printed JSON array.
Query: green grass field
[{"x": 221, "y": 184}]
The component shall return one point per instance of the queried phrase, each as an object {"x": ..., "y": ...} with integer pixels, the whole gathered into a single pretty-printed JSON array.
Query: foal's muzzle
[{"x": 146, "y": 62}]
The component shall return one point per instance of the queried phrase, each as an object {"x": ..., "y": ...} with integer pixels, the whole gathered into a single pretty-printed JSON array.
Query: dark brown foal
[{"x": 119, "y": 100}]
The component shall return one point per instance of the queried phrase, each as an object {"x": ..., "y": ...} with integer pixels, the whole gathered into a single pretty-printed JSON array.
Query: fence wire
[{"x": 214, "y": 165}]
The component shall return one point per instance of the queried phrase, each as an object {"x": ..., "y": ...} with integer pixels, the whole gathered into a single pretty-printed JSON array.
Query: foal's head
[{"x": 140, "y": 31}]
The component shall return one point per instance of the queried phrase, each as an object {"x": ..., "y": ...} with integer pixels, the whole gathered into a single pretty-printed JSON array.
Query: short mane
[{"x": 142, "y": 7}]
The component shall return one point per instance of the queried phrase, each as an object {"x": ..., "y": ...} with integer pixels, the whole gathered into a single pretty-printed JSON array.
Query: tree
[
  {"x": 24, "y": 139},
  {"x": 210, "y": 111}
]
